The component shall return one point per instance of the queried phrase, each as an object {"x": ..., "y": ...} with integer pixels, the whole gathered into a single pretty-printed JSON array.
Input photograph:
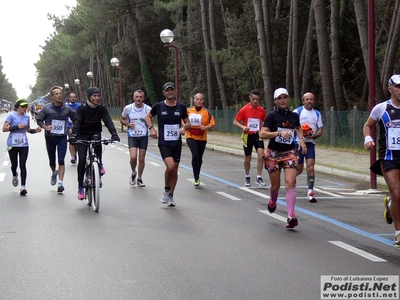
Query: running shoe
[
  {"x": 260, "y": 181},
  {"x": 396, "y": 241},
  {"x": 15, "y": 180},
  {"x": 102, "y": 170},
  {"x": 81, "y": 193},
  {"x": 196, "y": 182},
  {"x": 171, "y": 200},
  {"x": 23, "y": 192},
  {"x": 140, "y": 182},
  {"x": 271, "y": 207},
  {"x": 387, "y": 216},
  {"x": 53, "y": 179},
  {"x": 165, "y": 197},
  {"x": 291, "y": 222},
  {"x": 247, "y": 182},
  {"x": 73, "y": 159},
  {"x": 311, "y": 198},
  {"x": 132, "y": 180},
  {"x": 60, "y": 188}
]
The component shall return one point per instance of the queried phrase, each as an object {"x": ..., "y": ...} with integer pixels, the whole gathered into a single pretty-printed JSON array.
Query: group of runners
[{"x": 291, "y": 136}]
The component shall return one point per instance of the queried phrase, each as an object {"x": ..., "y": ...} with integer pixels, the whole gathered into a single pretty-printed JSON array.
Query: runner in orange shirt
[{"x": 201, "y": 120}]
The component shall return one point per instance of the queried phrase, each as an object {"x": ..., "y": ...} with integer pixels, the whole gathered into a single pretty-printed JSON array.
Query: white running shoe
[
  {"x": 132, "y": 180},
  {"x": 165, "y": 197}
]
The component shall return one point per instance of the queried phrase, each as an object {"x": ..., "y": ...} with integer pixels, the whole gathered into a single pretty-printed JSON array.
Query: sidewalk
[{"x": 337, "y": 162}]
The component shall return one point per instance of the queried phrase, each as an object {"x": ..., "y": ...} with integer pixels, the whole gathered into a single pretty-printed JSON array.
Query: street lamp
[
  {"x": 66, "y": 90},
  {"x": 115, "y": 64},
  {"x": 91, "y": 78},
  {"x": 78, "y": 83},
  {"x": 167, "y": 37}
]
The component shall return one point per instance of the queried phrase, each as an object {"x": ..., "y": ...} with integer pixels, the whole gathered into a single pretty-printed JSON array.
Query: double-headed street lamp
[
  {"x": 167, "y": 37},
  {"x": 91, "y": 78},
  {"x": 115, "y": 63}
]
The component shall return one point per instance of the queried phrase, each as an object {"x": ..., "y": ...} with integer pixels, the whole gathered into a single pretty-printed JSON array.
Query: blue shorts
[
  {"x": 138, "y": 142},
  {"x": 310, "y": 153}
]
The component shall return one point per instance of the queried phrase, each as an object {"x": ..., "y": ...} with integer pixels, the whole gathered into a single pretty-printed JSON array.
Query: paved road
[{"x": 218, "y": 243}]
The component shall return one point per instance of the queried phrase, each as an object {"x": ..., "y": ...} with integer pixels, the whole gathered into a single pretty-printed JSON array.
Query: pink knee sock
[{"x": 291, "y": 201}]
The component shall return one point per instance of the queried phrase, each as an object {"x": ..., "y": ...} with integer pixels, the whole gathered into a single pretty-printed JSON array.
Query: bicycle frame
[{"x": 92, "y": 181}]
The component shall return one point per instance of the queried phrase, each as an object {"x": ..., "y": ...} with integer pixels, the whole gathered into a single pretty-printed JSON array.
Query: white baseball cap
[
  {"x": 394, "y": 80},
  {"x": 280, "y": 91}
]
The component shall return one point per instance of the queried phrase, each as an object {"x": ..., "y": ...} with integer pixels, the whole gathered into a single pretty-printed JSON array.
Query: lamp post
[
  {"x": 167, "y": 37},
  {"x": 78, "y": 83},
  {"x": 372, "y": 80},
  {"x": 91, "y": 78},
  {"x": 115, "y": 64},
  {"x": 66, "y": 88}
]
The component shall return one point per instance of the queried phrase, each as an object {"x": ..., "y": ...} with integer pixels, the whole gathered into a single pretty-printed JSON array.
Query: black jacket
[{"x": 88, "y": 120}]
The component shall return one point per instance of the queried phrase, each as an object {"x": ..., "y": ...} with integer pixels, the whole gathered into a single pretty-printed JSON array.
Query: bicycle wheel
[
  {"x": 88, "y": 185},
  {"x": 96, "y": 186}
]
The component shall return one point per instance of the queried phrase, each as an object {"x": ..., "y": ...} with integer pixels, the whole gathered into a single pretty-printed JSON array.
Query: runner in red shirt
[{"x": 249, "y": 119}]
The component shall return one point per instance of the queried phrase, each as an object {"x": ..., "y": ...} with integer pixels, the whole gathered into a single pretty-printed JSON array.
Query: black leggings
[
  {"x": 197, "y": 148},
  {"x": 83, "y": 153},
  {"x": 22, "y": 152}
]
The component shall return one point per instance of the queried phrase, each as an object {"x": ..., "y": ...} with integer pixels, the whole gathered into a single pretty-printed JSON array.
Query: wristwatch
[{"x": 150, "y": 127}]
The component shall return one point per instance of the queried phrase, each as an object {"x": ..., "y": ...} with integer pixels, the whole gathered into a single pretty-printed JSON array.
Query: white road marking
[
  {"x": 328, "y": 193},
  {"x": 254, "y": 192},
  {"x": 2, "y": 175},
  {"x": 228, "y": 196},
  {"x": 154, "y": 164},
  {"x": 5, "y": 163},
  {"x": 357, "y": 251},
  {"x": 278, "y": 217}
]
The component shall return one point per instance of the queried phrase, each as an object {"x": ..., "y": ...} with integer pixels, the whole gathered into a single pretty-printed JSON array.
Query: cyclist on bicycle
[{"x": 87, "y": 126}]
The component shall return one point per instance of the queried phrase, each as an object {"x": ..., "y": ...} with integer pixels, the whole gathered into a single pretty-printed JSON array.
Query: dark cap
[
  {"x": 92, "y": 90},
  {"x": 394, "y": 80},
  {"x": 168, "y": 85}
]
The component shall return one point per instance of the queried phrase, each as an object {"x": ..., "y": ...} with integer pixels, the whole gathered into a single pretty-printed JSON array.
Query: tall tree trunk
[
  {"x": 362, "y": 24},
  {"x": 217, "y": 66},
  {"x": 307, "y": 64},
  {"x": 289, "y": 53},
  {"x": 336, "y": 57},
  {"x": 262, "y": 45},
  {"x": 392, "y": 45},
  {"x": 328, "y": 91},
  {"x": 295, "y": 50},
  {"x": 146, "y": 77},
  {"x": 207, "y": 48}
]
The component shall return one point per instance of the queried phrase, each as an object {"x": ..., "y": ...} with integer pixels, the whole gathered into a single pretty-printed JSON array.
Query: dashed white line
[
  {"x": 5, "y": 163},
  {"x": 328, "y": 193},
  {"x": 278, "y": 217},
  {"x": 254, "y": 192},
  {"x": 155, "y": 164},
  {"x": 357, "y": 251},
  {"x": 229, "y": 196}
]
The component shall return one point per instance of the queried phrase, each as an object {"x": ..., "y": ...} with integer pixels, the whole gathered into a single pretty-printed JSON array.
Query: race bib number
[
  {"x": 394, "y": 138},
  {"x": 171, "y": 132},
  {"x": 195, "y": 119},
  {"x": 288, "y": 140},
  {"x": 139, "y": 130},
  {"x": 58, "y": 127},
  {"x": 18, "y": 139},
  {"x": 254, "y": 124}
]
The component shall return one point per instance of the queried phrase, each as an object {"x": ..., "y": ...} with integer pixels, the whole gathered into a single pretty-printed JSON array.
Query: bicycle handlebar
[{"x": 102, "y": 141}]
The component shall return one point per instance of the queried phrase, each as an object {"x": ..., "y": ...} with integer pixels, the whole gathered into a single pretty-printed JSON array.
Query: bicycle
[{"x": 92, "y": 182}]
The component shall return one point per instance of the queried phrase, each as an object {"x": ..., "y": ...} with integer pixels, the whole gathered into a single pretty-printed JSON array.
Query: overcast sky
[{"x": 24, "y": 27}]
